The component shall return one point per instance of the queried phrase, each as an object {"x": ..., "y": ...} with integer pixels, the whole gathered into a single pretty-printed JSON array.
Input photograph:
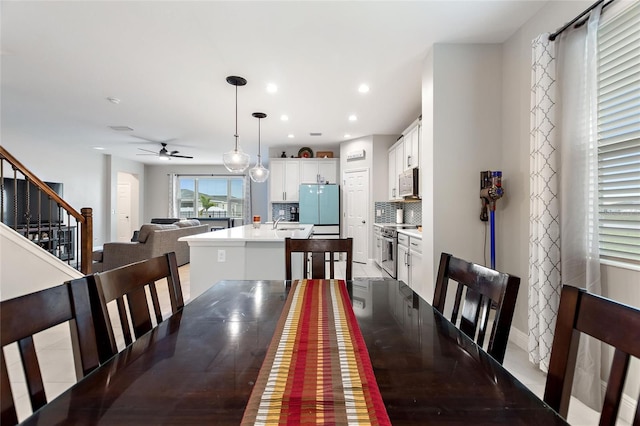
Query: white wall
[
  {"x": 24, "y": 270},
  {"x": 375, "y": 161},
  {"x": 461, "y": 129}
]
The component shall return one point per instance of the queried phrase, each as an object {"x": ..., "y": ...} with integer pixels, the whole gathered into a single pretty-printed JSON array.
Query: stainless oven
[{"x": 389, "y": 250}]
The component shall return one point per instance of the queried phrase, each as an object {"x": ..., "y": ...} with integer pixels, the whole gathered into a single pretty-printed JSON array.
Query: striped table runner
[{"x": 317, "y": 369}]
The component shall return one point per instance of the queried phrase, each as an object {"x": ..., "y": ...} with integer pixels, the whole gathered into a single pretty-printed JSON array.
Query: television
[{"x": 13, "y": 198}]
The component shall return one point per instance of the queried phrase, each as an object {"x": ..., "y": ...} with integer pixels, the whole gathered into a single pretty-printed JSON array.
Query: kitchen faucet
[{"x": 277, "y": 221}]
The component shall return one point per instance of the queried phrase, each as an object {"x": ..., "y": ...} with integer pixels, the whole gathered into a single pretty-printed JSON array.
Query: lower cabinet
[
  {"x": 403, "y": 259},
  {"x": 409, "y": 262}
]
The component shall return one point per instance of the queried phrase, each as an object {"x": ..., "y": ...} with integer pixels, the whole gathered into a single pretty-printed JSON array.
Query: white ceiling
[{"x": 167, "y": 62}]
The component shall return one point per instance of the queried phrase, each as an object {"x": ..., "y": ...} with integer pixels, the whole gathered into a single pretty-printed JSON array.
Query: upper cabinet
[
  {"x": 284, "y": 179},
  {"x": 403, "y": 155},
  {"x": 396, "y": 155},
  {"x": 318, "y": 170},
  {"x": 412, "y": 148}
]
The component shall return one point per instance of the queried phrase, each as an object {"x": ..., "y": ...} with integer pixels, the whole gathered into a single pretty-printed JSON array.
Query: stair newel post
[{"x": 86, "y": 240}]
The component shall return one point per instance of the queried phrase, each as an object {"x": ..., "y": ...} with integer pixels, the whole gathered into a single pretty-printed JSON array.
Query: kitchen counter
[
  {"x": 265, "y": 233},
  {"x": 413, "y": 233},
  {"x": 242, "y": 253}
]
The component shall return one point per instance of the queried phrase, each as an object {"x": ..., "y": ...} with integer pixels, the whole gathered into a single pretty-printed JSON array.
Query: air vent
[
  {"x": 121, "y": 128},
  {"x": 315, "y": 134}
]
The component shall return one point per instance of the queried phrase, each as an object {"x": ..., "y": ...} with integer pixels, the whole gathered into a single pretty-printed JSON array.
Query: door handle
[{"x": 364, "y": 221}]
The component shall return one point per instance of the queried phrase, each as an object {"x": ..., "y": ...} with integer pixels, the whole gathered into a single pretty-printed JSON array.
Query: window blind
[{"x": 619, "y": 135}]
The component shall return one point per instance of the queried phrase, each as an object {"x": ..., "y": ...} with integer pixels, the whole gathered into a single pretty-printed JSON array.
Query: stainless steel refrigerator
[{"x": 319, "y": 204}]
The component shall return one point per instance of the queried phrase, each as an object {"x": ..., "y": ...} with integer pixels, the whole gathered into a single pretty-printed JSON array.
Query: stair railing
[{"x": 38, "y": 212}]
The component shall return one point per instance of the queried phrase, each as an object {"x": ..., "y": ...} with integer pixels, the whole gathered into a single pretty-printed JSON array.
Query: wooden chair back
[
  {"x": 24, "y": 316},
  {"x": 130, "y": 282},
  {"x": 611, "y": 322},
  {"x": 485, "y": 289},
  {"x": 319, "y": 248}
]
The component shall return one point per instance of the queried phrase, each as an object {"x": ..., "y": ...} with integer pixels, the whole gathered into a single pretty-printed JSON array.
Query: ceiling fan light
[{"x": 236, "y": 161}]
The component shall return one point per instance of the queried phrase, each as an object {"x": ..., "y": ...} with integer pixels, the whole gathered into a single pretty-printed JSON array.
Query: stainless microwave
[{"x": 409, "y": 181}]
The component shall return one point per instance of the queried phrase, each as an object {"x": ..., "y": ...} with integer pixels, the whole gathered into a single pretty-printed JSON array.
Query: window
[
  {"x": 211, "y": 196},
  {"x": 619, "y": 135}
]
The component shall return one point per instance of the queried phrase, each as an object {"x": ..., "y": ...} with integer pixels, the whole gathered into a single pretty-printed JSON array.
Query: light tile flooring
[{"x": 56, "y": 361}]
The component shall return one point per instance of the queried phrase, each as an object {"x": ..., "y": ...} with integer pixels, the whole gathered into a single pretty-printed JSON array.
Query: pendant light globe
[
  {"x": 236, "y": 161},
  {"x": 259, "y": 173}
]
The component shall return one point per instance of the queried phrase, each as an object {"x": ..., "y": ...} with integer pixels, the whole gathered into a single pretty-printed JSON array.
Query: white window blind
[{"x": 619, "y": 135}]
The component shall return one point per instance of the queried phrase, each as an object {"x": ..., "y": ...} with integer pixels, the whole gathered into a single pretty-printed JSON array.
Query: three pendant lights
[{"x": 237, "y": 161}]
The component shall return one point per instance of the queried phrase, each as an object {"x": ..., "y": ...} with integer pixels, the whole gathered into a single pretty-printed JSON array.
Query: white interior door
[
  {"x": 123, "y": 205},
  {"x": 356, "y": 189}
]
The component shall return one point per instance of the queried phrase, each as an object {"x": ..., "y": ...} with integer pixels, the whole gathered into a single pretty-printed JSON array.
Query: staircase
[{"x": 36, "y": 211}]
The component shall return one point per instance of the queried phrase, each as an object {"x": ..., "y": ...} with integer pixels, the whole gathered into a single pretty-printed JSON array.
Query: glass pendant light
[
  {"x": 258, "y": 172},
  {"x": 236, "y": 161}
]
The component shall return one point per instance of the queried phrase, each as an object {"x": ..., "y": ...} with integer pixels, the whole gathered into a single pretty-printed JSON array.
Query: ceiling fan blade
[
  {"x": 146, "y": 150},
  {"x": 180, "y": 156},
  {"x": 155, "y": 155}
]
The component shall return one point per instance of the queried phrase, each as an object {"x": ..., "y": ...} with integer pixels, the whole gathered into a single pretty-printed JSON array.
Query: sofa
[{"x": 152, "y": 240}]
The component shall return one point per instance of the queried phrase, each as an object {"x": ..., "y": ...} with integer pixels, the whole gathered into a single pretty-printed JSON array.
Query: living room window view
[
  {"x": 206, "y": 197},
  {"x": 196, "y": 228}
]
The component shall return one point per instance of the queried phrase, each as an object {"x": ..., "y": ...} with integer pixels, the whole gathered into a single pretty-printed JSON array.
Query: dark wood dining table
[{"x": 199, "y": 366}]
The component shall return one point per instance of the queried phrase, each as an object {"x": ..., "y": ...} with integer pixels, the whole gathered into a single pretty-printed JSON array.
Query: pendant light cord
[
  {"x": 259, "y": 156},
  {"x": 236, "y": 134}
]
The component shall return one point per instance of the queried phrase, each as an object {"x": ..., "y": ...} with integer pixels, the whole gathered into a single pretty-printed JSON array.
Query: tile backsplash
[
  {"x": 385, "y": 212},
  {"x": 276, "y": 207}
]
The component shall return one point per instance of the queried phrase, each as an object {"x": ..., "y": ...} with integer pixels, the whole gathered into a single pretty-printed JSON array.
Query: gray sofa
[{"x": 153, "y": 240}]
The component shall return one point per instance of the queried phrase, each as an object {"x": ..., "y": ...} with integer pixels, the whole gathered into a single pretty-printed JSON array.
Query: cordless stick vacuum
[{"x": 490, "y": 191}]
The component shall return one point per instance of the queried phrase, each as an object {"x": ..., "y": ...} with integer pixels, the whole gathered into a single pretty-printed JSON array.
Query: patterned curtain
[
  {"x": 564, "y": 193},
  {"x": 544, "y": 220},
  {"x": 247, "y": 201},
  {"x": 172, "y": 211}
]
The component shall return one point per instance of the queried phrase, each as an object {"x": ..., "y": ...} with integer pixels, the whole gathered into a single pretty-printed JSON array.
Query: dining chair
[
  {"x": 131, "y": 282},
  {"x": 319, "y": 248},
  {"x": 606, "y": 320},
  {"x": 486, "y": 289},
  {"x": 25, "y": 316}
]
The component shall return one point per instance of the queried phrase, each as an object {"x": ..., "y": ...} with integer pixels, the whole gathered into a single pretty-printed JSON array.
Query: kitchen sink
[{"x": 290, "y": 228}]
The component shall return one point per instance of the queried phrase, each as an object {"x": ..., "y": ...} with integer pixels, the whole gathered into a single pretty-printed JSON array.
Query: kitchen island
[{"x": 241, "y": 253}]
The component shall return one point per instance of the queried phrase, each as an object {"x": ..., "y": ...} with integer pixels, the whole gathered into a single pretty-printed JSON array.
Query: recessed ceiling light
[
  {"x": 121, "y": 128},
  {"x": 99, "y": 148},
  {"x": 113, "y": 100},
  {"x": 272, "y": 88},
  {"x": 284, "y": 117},
  {"x": 363, "y": 88},
  {"x": 291, "y": 136},
  {"x": 352, "y": 117},
  {"x": 347, "y": 135}
]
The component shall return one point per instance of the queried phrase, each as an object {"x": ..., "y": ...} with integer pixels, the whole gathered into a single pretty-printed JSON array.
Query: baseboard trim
[
  {"x": 627, "y": 404},
  {"x": 519, "y": 338}
]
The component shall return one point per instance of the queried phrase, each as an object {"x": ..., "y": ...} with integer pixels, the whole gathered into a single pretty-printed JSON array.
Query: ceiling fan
[{"x": 164, "y": 154}]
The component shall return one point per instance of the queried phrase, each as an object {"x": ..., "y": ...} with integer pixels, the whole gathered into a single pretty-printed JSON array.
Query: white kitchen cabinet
[
  {"x": 409, "y": 263},
  {"x": 396, "y": 160},
  {"x": 319, "y": 170},
  {"x": 393, "y": 177},
  {"x": 402, "y": 261},
  {"x": 412, "y": 148},
  {"x": 416, "y": 275},
  {"x": 284, "y": 180}
]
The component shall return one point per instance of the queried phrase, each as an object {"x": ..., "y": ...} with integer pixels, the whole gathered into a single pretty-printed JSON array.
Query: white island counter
[{"x": 240, "y": 253}]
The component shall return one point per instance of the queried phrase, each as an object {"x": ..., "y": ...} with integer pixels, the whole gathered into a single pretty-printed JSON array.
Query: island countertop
[{"x": 265, "y": 233}]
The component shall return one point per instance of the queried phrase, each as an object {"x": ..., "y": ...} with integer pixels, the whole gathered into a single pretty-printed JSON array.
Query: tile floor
[{"x": 54, "y": 351}]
